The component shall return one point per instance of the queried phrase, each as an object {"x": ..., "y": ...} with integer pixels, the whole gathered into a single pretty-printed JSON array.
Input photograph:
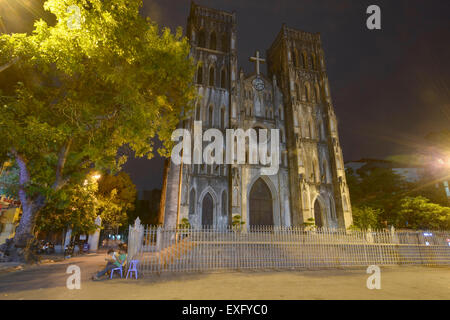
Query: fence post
[
  {"x": 394, "y": 235},
  {"x": 158, "y": 239},
  {"x": 369, "y": 236},
  {"x": 135, "y": 237}
]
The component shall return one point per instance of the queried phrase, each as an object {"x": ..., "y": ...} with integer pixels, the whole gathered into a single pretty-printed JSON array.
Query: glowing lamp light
[{"x": 427, "y": 243}]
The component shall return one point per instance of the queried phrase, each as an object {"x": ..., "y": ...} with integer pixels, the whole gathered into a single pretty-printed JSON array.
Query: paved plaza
[{"x": 48, "y": 281}]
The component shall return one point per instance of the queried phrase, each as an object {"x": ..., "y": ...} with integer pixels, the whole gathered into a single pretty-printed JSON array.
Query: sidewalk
[{"x": 49, "y": 282}]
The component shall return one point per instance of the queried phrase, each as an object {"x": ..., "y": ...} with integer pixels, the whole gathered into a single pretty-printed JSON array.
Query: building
[
  {"x": 293, "y": 97},
  {"x": 9, "y": 217},
  {"x": 9, "y": 208}
]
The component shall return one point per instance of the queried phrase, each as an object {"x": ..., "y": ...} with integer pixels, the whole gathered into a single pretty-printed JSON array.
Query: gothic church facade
[{"x": 294, "y": 98}]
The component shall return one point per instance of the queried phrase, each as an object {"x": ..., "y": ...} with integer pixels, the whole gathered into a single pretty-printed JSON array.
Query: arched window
[
  {"x": 197, "y": 113},
  {"x": 223, "y": 79},
  {"x": 210, "y": 116},
  {"x": 224, "y": 204},
  {"x": 317, "y": 93},
  {"x": 212, "y": 74},
  {"x": 311, "y": 130},
  {"x": 313, "y": 62},
  {"x": 306, "y": 88},
  {"x": 332, "y": 209},
  {"x": 312, "y": 94},
  {"x": 192, "y": 202},
  {"x": 201, "y": 39},
  {"x": 224, "y": 43},
  {"x": 297, "y": 92},
  {"x": 324, "y": 170},
  {"x": 304, "y": 61},
  {"x": 295, "y": 58},
  {"x": 322, "y": 131},
  {"x": 200, "y": 75},
  {"x": 316, "y": 171},
  {"x": 222, "y": 118},
  {"x": 213, "y": 41},
  {"x": 313, "y": 173}
]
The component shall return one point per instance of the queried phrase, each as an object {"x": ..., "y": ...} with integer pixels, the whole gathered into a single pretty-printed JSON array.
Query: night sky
[{"x": 390, "y": 87}]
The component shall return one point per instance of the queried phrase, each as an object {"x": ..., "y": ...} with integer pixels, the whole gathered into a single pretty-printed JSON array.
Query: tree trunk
[
  {"x": 30, "y": 207},
  {"x": 19, "y": 248},
  {"x": 24, "y": 231}
]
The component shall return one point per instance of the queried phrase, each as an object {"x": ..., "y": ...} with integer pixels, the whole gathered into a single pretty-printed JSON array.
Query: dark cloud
[{"x": 390, "y": 87}]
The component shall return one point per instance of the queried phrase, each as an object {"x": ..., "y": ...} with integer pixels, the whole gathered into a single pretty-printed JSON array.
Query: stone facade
[{"x": 310, "y": 182}]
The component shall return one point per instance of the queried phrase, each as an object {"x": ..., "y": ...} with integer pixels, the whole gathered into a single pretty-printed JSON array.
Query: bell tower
[
  {"x": 203, "y": 188},
  {"x": 318, "y": 188}
]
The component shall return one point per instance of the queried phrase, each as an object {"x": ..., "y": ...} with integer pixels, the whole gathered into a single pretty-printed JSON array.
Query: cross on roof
[{"x": 257, "y": 59}]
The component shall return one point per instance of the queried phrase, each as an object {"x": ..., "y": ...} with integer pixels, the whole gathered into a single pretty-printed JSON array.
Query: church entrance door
[
  {"x": 261, "y": 206},
  {"x": 207, "y": 210},
  {"x": 318, "y": 214}
]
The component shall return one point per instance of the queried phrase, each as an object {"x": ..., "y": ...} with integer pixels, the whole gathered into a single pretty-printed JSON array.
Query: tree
[
  {"x": 237, "y": 223},
  {"x": 76, "y": 207},
  {"x": 9, "y": 178},
  {"x": 380, "y": 189},
  {"x": 86, "y": 92},
  {"x": 116, "y": 195},
  {"x": 365, "y": 217},
  {"x": 420, "y": 213}
]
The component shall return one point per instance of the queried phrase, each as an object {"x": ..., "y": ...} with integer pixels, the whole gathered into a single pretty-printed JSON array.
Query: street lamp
[{"x": 95, "y": 177}]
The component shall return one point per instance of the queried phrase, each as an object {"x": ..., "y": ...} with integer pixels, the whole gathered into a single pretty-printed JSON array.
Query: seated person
[
  {"x": 113, "y": 261},
  {"x": 122, "y": 258}
]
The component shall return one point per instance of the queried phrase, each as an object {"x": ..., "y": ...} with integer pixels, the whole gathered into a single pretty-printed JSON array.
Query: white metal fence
[{"x": 192, "y": 250}]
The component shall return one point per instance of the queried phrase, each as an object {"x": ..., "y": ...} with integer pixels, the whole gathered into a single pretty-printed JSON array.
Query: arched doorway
[
  {"x": 261, "y": 207},
  {"x": 207, "y": 210},
  {"x": 192, "y": 202},
  {"x": 318, "y": 216}
]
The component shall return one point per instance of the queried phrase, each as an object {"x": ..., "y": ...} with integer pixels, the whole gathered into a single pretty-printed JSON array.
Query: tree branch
[
  {"x": 62, "y": 157},
  {"x": 9, "y": 64},
  {"x": 24, "y": 177}
]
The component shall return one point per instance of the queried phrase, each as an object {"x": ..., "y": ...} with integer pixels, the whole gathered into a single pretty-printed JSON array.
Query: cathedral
[{"x": 293, "y": 97}]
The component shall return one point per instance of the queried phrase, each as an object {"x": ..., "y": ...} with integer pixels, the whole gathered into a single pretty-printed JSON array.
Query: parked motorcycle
[
  {"x": 45, "y": 247},
  {"x": 68, "y": 250},
  {"x": 40, "y": 247},
  {"x": 49, "y": 248},
  {"x": 86, "y": 247}
]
